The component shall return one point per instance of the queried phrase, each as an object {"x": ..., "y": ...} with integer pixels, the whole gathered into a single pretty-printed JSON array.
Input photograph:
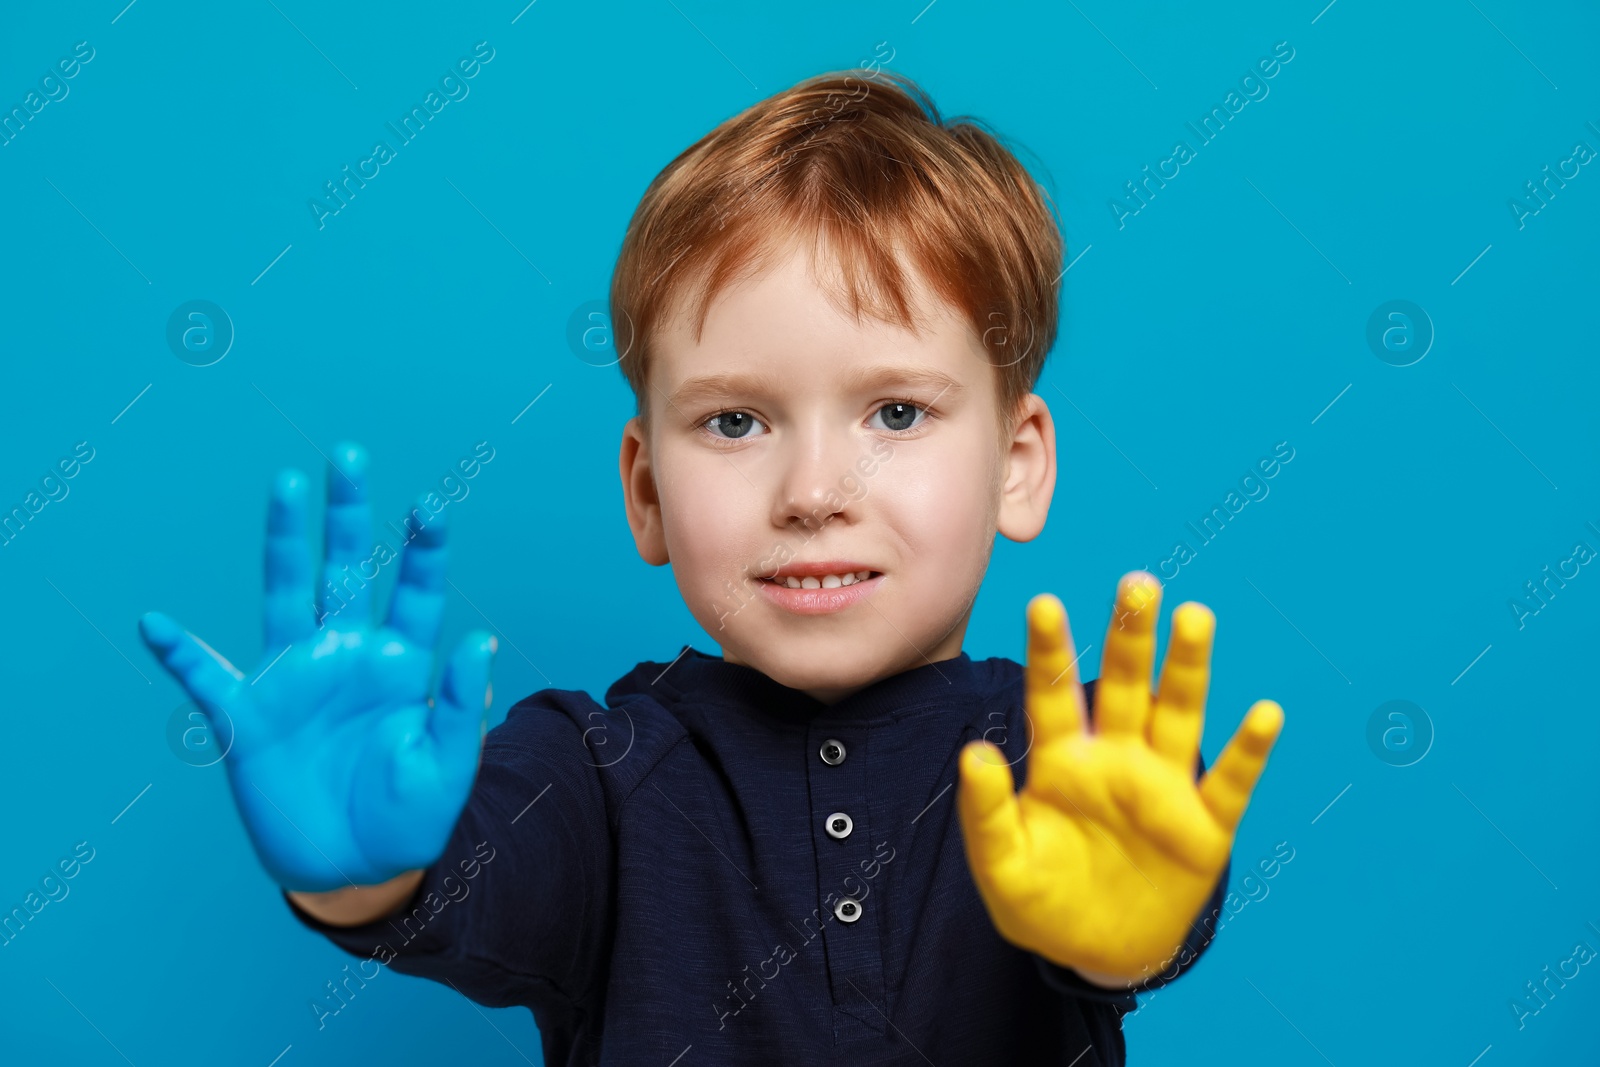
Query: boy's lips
[
  {"x": 819, "y": 569},
  {"x": 819, "y": 601},
  {"x": 824, "y": 587}
]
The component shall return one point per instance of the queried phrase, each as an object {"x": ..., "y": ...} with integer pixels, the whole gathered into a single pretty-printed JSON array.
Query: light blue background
[{"x": 1220, "y": 320}]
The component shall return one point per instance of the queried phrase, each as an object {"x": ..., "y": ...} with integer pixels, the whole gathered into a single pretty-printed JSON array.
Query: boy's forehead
[{"x": 792, "y": 315}]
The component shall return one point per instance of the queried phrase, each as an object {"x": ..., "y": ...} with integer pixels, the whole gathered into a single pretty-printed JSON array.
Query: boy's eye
[
  {"x": 732, "y": 425},
  {"x": 899, "y": 415}
]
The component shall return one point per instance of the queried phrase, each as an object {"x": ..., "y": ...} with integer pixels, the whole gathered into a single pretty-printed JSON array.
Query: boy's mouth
[
  {"x": 825, "y": 580},
  {"x": 820, "y": 588}
]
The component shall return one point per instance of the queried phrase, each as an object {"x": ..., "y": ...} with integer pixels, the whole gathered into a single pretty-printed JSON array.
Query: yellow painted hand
[{"x": 1105, "y": 858}]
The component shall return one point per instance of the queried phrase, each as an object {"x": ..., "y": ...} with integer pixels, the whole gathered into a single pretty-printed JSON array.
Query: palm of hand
[
  {"x": 1104, "y": 859},
  {"x": 343, "y": 769},
  {"x": 348, "y": 723}
]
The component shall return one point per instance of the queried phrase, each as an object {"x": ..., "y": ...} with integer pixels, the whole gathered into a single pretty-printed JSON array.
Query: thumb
[
  {"x": 991, "y": 821},
  {"x": 209, "y": 679},
  {"x": 456, "y": 719}
]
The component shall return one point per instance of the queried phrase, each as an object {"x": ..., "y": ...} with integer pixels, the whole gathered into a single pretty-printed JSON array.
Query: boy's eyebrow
[{"x": 864, "y": 378}]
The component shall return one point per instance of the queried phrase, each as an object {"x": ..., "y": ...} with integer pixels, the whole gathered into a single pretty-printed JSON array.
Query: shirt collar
[{"x": 697, "y": 678}]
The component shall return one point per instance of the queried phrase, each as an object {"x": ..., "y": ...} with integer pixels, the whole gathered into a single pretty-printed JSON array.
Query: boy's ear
[
  {"x": 1030, "y": 471},
  {"x": 639, "y": 493}
]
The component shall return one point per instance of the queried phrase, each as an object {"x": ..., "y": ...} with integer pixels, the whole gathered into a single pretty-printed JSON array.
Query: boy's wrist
[
  {"x": 359, "y": 905},
  {"x": 1108, "y": 981}
]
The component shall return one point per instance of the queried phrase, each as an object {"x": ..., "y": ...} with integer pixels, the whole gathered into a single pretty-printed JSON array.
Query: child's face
[{"x": 815, "y": 459}]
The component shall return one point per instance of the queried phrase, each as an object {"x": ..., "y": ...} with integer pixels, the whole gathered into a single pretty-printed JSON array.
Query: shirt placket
[{"x": 849, "y": 900}]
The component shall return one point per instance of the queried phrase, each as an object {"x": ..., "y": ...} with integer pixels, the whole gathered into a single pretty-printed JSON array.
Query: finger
[
  {"x": 287, "y": 611},
  {"x": 1122, "y": 695},
  {"x": 456, "y": 719},
  {"x": 991, "y": 820},
  {"x": 1178, "y": 716},
  {"x": 1227, "y": 786},
  {"x": 418, "y": 604},
  {"x": 208, "y": 678},
  {"x": 348, "y": 534},
  {"x": 1053, "y": 698}
]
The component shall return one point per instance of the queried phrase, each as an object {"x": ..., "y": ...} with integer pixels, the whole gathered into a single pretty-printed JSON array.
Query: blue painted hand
[{"x": 344, "y": 770}]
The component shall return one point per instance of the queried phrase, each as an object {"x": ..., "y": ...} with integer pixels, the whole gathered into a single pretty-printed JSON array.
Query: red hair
[{"x": 862, "y": 163}]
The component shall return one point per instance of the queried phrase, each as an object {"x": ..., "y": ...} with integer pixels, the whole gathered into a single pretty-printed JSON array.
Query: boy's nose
[{"x": 818, "y": 482}]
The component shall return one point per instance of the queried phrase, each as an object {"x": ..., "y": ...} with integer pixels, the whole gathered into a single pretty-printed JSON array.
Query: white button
[
  {"x": 847, "y": 910},
  {"x": 839, "y": 825},
  {"x": 832, "y": 752}
]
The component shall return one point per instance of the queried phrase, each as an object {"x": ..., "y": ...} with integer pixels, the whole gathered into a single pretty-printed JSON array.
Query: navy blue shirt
[{"x": 718, "y": 869}]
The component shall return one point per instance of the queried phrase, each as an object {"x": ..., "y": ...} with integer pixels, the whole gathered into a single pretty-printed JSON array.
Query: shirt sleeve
[{"x": 516, "y": 910}]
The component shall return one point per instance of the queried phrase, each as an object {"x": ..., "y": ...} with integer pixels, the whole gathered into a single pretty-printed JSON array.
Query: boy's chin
[{"x": 830, "y": 668}]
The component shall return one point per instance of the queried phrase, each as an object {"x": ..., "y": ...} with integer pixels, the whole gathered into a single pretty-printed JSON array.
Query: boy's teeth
[{"x": 826, "y": 581}]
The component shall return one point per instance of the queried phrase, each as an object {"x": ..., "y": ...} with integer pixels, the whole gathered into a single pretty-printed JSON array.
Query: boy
[{"x": 757, "y": 858}]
